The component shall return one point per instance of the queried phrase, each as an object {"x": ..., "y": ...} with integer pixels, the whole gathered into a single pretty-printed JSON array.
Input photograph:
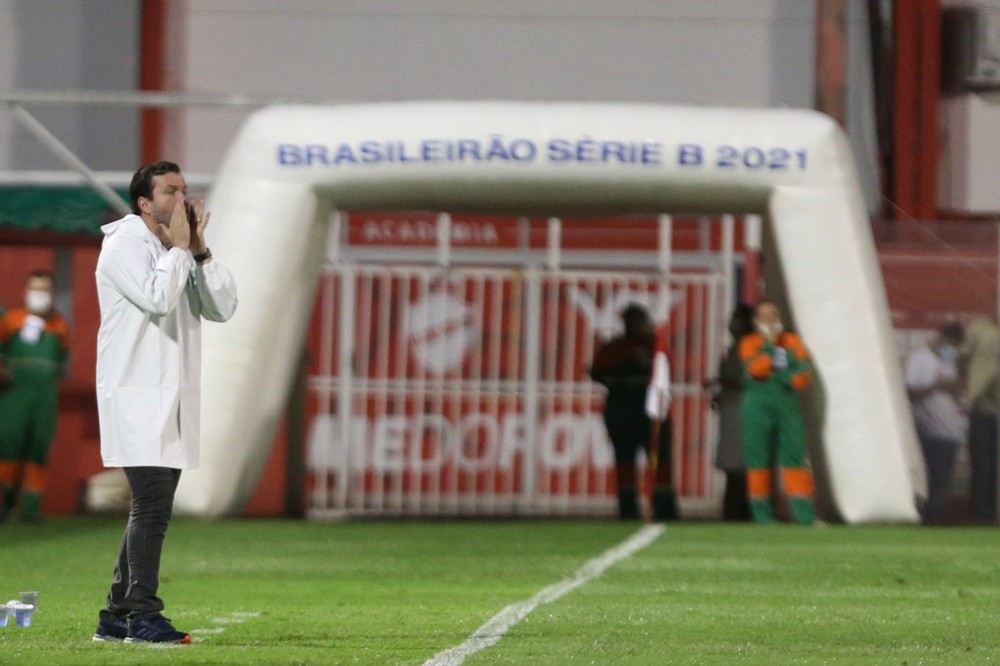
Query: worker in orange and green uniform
[
  {"x": 777, "y": 368},
  {"x": 34, "y": 346}
]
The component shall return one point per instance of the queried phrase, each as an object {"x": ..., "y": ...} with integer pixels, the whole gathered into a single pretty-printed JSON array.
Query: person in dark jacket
[
  {"x": 727, "y": 392},
  {"x": 624, "y": 365}
]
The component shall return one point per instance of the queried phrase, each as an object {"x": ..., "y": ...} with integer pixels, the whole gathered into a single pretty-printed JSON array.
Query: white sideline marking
[
  {"x": 234, "y": 618},
  {"x": 501, "y": 623}
]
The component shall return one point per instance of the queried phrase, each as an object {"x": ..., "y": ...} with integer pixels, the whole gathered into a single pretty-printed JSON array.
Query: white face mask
[
  {"x": 775, "y": 329},
  {"x": 947, "y": 353},
  {"x": 37, "y": 301}
]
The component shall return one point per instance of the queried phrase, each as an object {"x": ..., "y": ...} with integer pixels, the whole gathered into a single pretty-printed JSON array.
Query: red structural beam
[
  {"x": 831, "y": 58},
  {"x": 915, "y": 92},
  {"x": 153, "y": 74}
]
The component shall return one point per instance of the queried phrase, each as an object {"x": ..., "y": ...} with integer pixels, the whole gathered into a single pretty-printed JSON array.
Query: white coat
[{"x": 152, "y": 301}]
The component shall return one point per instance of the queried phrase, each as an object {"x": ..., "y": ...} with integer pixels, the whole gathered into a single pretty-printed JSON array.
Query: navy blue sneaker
[
  {"x": 154, "y": 628},
  {"x": 111, "y": 628}
]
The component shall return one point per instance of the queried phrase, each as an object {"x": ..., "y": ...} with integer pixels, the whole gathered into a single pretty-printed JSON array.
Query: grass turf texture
[{"x": 283, "y": 592}]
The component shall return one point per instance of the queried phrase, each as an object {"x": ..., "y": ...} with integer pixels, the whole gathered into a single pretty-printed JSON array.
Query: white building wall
[
  {"x": 60, "y": 45},
  {"x": 728, "y": 52}
]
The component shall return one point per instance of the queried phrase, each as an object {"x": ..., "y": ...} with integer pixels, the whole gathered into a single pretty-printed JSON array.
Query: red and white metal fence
[{"x": 446, "y": 391}]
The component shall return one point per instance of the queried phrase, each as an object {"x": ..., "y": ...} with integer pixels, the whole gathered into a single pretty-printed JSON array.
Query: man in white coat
[
  {"x": 156, "y": 281},
  {"x": 932, "y": 381}
]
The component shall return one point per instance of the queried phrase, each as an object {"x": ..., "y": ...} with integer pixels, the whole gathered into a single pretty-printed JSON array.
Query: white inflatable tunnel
[{"x": 290, "y": 166}]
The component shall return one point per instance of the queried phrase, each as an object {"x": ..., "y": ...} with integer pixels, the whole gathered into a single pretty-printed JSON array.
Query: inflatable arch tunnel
[{"x": 291, "y": 166}]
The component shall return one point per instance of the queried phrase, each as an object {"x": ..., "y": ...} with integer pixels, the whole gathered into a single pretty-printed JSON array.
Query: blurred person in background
[
  {"x": 34, "y": 346},
  {"x": 727, "y": 391},
  {"x": 6, "y": 381},
  {"x": 979, "y": 362},
  {"x": 777, "y": 368},
  {"x": 933, "y": 386},
  {"x": 624, "y": 365}
]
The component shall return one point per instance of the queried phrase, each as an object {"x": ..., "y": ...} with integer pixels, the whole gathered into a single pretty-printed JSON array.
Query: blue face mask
[{"x": 947, "y": 352}]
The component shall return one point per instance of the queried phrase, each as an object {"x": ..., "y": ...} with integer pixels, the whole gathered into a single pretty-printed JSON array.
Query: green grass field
[{"x": 285, "y": 592}]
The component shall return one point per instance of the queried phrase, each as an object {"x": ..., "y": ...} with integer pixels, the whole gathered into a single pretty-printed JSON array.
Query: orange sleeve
[
  {"x": 757, "y": 363},
  {"x": 800, "y": 381},
  {"x": 793, "y": 343},
  {"x": 58, "y": 326},
  {"x": 11, "y": 323}
]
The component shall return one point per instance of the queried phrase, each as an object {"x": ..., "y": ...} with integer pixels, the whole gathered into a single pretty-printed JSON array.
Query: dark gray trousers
[
  {"x": 137, "y": 571},
  {"x": 939, "y": 458},
  {"x": 983, "y": 464}
]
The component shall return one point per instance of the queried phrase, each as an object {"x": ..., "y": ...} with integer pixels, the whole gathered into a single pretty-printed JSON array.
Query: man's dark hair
[
  {"x": 761, "y": 303},
  {"x": 952, "y": 332},
  {"x": 43, "y": 273},
  {"x": 142, "y": 181},
  {"x": 636, "y": 318},
  {"x": 741, "y": 320}
]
